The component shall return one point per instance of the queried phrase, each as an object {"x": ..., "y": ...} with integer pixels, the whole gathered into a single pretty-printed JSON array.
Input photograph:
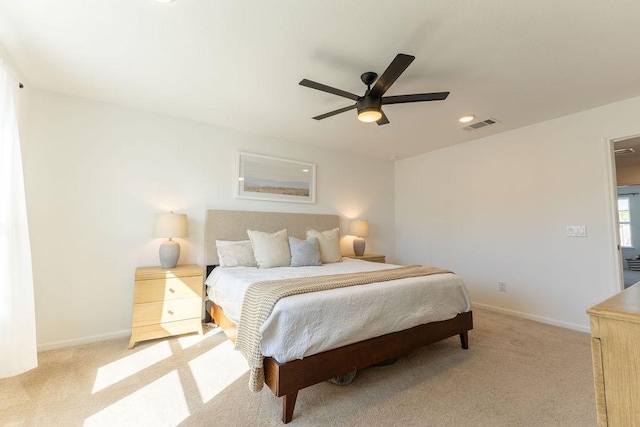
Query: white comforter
[{"x": 302, "y": 325}]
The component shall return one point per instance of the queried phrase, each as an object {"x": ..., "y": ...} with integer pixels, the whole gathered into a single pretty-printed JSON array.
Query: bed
[{"x": 286, "y": 372}]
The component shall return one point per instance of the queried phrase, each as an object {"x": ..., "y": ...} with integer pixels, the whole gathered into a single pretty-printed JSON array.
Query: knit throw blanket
[{"x": 261, "y": 297}]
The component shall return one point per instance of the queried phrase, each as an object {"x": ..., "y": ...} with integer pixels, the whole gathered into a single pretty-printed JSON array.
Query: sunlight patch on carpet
[
  {"x": 193, "y": 339},
  {"x": 216, "y": 369},
  {"x": 161, "y": 402},
  {"x": 110, "y": 374}
]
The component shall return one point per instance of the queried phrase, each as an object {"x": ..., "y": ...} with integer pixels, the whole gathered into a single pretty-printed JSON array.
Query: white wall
[
  {"x": 496, "y": 209},
  {"x": 96, "y": 174}
]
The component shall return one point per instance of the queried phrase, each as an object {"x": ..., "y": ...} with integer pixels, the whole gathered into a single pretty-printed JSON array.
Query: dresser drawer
[
  {"x": 166, "y": 311},
  {"x": 160, "y": 330},
  {"x": 167, "y": 289}
]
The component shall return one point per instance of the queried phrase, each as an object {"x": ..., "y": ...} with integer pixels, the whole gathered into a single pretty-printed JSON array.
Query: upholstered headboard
[{"x": 233, "y": 225}]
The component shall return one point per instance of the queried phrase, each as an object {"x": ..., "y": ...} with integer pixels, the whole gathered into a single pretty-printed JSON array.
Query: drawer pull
[
  {"x": 170, "y": 312},
  {"x": 171, "y": 290}
]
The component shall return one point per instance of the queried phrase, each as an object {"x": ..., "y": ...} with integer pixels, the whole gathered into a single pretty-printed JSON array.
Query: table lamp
[
  {"x": 170, "y": 225},
  {"x": 359, "y": 228}
]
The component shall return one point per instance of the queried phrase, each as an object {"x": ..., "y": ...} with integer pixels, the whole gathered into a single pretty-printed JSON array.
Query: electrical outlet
[{"x": 502, "y": 286}]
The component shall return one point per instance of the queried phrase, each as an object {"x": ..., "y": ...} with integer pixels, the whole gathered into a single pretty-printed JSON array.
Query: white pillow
[
  {"x": 235, "y": 253},
  {"x": 329, "y": 244},
  {"x": 270, "y": 249}
]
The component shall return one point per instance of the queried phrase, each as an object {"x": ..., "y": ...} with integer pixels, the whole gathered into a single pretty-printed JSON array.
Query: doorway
[{"x": 627, "y": 173}]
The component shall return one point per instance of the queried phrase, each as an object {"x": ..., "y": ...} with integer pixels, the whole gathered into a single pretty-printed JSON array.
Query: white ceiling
[{"x": 237, "y": 63}]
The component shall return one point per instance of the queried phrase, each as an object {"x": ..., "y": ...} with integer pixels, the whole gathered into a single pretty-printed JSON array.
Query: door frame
[{"x": 613, "y": 203}]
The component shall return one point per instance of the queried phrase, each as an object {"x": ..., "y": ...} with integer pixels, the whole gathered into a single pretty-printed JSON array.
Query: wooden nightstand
[
  {"x": 368, "y": 257},
  {"x": 166, "y": 302}
]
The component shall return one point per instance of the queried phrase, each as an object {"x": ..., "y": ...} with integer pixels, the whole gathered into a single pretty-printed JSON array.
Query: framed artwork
[{"x": 269, "y": 178}]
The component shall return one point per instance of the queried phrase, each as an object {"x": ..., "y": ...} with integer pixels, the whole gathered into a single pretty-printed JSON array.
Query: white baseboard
[
  {"x": 533, "y": 317},
  {"x": 84, "y": 340},
  {"x": 126, "y": 333}
]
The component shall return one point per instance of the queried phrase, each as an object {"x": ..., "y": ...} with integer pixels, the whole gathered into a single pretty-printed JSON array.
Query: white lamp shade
[
  {"x": 170, "y": 225},
  {"x": 358, "y": 227}
]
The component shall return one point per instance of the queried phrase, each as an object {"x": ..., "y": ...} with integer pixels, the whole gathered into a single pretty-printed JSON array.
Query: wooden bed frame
[{"x": 286, "y": 379}]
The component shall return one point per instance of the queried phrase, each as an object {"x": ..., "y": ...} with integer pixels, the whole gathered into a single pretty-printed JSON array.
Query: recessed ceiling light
[{"x": 466, "y": 119}]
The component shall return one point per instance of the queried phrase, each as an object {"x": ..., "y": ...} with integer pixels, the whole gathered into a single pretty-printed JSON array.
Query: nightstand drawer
[
  {"x": 167, "y": 289},
  {"x": 160, "y": 330},
  {"x": 167, "y": 311}
]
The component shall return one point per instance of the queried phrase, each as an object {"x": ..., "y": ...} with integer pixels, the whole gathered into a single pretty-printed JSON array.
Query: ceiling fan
[{"x": 369, "y": 105}]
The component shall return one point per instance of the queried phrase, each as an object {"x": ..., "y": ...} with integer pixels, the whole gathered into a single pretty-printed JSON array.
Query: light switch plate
[{"x": 576, "y": 231}]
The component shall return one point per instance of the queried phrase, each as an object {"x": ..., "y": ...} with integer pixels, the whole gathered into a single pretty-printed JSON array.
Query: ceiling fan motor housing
[{"x": 369, "y": 103}]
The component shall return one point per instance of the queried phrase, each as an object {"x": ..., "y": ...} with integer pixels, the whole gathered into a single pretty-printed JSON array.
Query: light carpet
[{"x": 516, "y": 373}]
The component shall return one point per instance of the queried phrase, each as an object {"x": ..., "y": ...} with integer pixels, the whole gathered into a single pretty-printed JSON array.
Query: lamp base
[
  {"x": 169, "y": 254},
  {"x": 358, "y": 246}
]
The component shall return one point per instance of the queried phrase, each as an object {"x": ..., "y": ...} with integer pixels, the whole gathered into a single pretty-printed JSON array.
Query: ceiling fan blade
[
  {"x": 334, "y": 112},
  {"x": 393, "y": 71},
  {"x": 329, "y": 89},
  {"x": 383, "y": 120},
  {"x": 417, "y": 97}
]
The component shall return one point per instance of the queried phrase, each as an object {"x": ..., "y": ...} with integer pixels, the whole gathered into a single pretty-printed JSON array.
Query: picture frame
[{"x": 274, "y": 179}]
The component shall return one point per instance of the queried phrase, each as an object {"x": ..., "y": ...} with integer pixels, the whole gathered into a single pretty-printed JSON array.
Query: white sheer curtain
[{"x": 18, "y": 350}]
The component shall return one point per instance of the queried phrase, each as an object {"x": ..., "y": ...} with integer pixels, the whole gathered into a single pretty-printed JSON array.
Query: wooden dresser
[
  {"x": 166, "y": 301},
  {"x": 615, "y": 348}
]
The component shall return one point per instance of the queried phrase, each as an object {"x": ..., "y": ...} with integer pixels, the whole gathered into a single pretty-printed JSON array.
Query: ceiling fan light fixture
[
  {"x": 369, "y": 109},
  {"x": 369, "y": 115}
]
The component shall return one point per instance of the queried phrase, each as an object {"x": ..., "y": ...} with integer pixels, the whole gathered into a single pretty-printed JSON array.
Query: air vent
[
  {"x": 481, "y": 124},
  {"x": 622, "y": 151}
]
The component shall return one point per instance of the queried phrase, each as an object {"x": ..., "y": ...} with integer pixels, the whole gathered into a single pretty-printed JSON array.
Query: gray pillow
[{"x": 304, "y": 252}]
